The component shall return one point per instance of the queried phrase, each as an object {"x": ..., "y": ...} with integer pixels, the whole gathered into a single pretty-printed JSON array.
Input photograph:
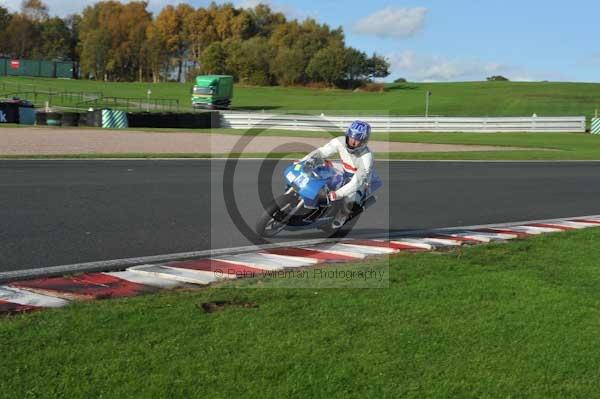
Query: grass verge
[
  {"x": 508, "y": 320},
  {"x": 449, "y": 99}
]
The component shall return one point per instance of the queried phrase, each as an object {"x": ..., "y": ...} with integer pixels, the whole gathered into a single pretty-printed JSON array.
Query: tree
[
  {"x": 155, "y": 52},
  {"x": 497, "y": 78},
  {"x": 96, "y": 39},
  {"x": 328, "y": 65},
  {"x": 213, "y": 59},
  {"x": 254, "y": 68},
  {"x": 55, "y": 39},
  {"x": 241, "y": 26},
  {"x": 73, "y": 23},
  {"x": 119, "y": 41},
  {"x": 136, "y": 18},
  {"x": 112, "y": 37},
  {"x": 356, "y": 64},
  {"x": 5, "y": 17},
  {"x": 95, "y": 48},
  {"x": 34, "y": 10},
  {"x": 200, "y": 31},
  {"x": 20, "y": 36},
  {"x": 250, "y": 60},
  {"x": 222, "y": 18},
  {"x": 288, "y": 66},
  {"x": 286, "y": 35},
  {"x": 170, "y": 22},
  {"x": 264, "y": 20},
  {"x": 377, "y": 67},
  {"x": 400, "y": 80}
]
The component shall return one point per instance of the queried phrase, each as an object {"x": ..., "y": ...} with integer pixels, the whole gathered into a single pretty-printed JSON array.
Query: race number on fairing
[{"x": 302, "y": 181}]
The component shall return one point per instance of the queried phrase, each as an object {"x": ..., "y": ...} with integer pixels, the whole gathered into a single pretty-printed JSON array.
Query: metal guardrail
[
  {"x": 51, "y": 96},
  {"x": 133, "y": 104},
  {"x": 246, "y": 120}
]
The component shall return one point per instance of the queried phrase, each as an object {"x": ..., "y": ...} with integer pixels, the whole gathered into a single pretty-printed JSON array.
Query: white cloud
[
  {"x": 392, "y": 22},
  {"x": 427, "y": 68}
]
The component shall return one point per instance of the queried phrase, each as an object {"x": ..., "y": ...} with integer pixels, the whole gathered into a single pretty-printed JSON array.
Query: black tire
[
  {"x": 342, "y": 231},
  {"x": 40, "y": 119},
  {"x": 53, "y": 118},
  {"x": 82, "y": 121},
  {"x": 70, "y": 119},
  {"x": 268, "y": 218}
]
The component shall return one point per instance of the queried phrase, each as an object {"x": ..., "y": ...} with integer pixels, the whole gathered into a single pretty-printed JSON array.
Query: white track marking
[
  {"x": 479, "y": 236},
  {"x": 338, "y": 249},
  {"x": 24, "y": 297},
  {"x": 361, "y": 249},
  {"x": 415, "y": 243},
  {"x": 541, "y": 229},
  {"x": 521, "y": 229},
  {"x": 267, "y": 261},
  {"x": 143, "y": 279},
  {"x": 120, "y": 264},
  {"x": 382, "y": 250},
  {"x": 285, "y": 258},
  {"x": 493, "y": 235},
  {"x": 445, "y": 241},
  {"x": 573, "y": 225},
  {"x": 182, "y": 275}
]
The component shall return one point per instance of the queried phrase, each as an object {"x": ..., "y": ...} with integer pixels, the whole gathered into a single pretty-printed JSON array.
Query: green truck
[{"x": 212, "y": 91}]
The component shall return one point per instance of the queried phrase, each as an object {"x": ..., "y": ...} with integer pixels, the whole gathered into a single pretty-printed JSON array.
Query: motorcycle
[{"x": 305, "y": 204}]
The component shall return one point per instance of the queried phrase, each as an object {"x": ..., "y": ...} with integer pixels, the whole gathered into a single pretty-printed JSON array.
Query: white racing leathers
[{"x": 357, "y": 170}]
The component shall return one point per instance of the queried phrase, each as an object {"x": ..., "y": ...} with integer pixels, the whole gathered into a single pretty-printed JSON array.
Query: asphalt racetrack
[{"x": 63, "y": 212}]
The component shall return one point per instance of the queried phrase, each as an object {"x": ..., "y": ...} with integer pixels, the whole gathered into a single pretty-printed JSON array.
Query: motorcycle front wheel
[{"x": 269, "y": 223}]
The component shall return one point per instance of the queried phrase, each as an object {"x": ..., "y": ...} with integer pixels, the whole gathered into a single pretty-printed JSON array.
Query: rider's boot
[{"x": 342, "y": 215}]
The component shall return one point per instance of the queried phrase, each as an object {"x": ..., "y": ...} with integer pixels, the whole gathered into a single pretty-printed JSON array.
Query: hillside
[{"x": 449, "y": 99}]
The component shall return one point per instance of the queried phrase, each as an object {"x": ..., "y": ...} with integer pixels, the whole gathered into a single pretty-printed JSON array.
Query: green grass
[
  {"x": 449, "y": 99},
  {"x": 509, "y": 320},
  {"x": 564, "y": 146}
]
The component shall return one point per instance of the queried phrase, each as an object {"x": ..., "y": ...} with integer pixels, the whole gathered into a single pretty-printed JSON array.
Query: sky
[{"x": 442, "y": 40}]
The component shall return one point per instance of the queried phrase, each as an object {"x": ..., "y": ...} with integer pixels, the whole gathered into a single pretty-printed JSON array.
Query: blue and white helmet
[{"x": 360, "y": 131}]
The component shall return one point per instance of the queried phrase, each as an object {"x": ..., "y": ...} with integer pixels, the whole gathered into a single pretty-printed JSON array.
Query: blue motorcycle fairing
[
  {"x": 308, "y": 186},
  {"x": 376, "y": 183}
]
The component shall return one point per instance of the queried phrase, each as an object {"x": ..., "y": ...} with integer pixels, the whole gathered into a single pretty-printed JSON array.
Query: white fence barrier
[{"x": 247, "y": 120}]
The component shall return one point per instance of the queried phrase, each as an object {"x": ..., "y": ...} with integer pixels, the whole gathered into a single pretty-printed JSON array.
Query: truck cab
[{"x": 212, "y": 92}]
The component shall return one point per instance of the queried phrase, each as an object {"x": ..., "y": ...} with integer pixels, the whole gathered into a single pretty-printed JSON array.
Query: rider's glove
[{"x": 332, "y": 196}]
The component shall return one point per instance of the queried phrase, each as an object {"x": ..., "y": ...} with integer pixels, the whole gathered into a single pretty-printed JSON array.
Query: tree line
[{"x": 113, "y": 41}]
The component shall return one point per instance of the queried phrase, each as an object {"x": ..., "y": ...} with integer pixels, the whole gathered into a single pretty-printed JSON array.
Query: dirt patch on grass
[{"x": 219, "y": 306}]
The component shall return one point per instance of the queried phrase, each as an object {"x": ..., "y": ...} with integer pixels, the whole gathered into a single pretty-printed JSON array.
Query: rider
[{"x": 357, "y": 161}]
